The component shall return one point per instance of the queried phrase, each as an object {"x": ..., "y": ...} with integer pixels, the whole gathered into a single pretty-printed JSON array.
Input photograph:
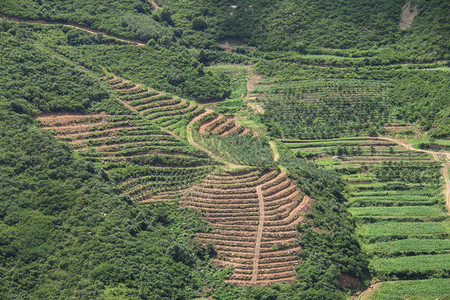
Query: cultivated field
[
  {"x": 170, "y": 112},
  {"x": 254, "y": 215},
  {"x": 253, "y": 212},
  {"x": 395, "y": 194},
  {"x": 143, "y": 159}
]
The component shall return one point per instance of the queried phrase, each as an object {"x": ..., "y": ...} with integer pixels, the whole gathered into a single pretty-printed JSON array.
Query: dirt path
[
  {"x": 191, "y": 141},
  {"x": 435, "y": 155},
  {"x": 367, "y": 293},
  {"x": 252, "y": 80},
  {"x": 73, "y": 25},
  {"x": 258, "y": 235},
  {"x": 410, "y": 147},
  {"x": 154, "y": 4},
  {"x": 273, "y": 146}
]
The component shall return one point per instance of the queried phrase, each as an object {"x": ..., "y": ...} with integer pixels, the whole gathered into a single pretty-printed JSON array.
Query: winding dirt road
[
  {"x": 367, "y": 293},
  {"x": 73, "y": 25},
  {"x": 436, "y": 155}
]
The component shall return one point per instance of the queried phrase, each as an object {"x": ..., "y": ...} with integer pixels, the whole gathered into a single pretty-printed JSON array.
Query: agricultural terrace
[
  {"x": 140, "y": 157},
  {"x": 170, "y": 112},
  {"x": 253, "y": 214},
  {"x": 395, "y": 194},
  {"x": 324, "y": 108},
  {"x": 406, "y": 289}
]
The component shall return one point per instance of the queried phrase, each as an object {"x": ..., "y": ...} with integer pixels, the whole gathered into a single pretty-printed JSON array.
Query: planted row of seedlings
[
  {"x": 254, "y": 216},
  {"x": 329, "y": 90},
  {"x": 171, "y": 112},
  {"x": 217, "y": 124},
  {"x": 143, "y": 159},
  {"x": 400, "y": 212}
]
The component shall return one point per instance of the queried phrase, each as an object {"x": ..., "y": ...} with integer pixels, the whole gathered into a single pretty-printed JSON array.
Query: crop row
[
  {"x": 236, "y": 210},
  {"x": 138, "y": 155}
]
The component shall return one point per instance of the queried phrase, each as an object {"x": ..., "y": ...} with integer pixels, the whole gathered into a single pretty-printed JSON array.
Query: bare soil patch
[{"x": 409, "y": 12}]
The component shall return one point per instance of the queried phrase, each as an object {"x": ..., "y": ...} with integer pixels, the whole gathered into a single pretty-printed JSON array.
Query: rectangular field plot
[
  {"x": 419, "y": 264},
  {"x": 428, "y": 289},
  {"x": 409, "y": 246},
  {"x": 381, "y": 186},
  {"x": 360, "y": 176},
  {"x": 404, "y": 229},
  {"x": 403, "y": 211},
  {"x": 419, "y": 192},
  {"x": 393, "y": 198}
]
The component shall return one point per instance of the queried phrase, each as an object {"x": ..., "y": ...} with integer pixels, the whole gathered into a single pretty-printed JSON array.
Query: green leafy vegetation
[
  {"x": 240, "y": 149},
  {"x": 422, "y": 289},
  {"x": 103, "y": 81},
  {"x": 307, "y": 101},
  {"x": 317, "y": 26},
  {"x": 65, "y": 231},
  {"x": 395, "y": 197},
  {"x": 409, "y": 246}
]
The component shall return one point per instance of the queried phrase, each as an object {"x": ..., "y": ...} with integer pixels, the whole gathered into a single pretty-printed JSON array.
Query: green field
[
  {"x": 429, "y": 289},
  {"x": 404, "y": 211},
  {"x": 404, "y": 229},
  {"x": 412, "y": 193},
  {"x": 413, "y": 264},
  {"x": 412, "y": 245},
  {"x": 395, "y": 196}
]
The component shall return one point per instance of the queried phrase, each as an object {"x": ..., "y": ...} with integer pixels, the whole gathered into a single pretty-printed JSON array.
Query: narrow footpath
[
  {"x": 73, "y": 25},
  {"x": 258, "y": 235}
]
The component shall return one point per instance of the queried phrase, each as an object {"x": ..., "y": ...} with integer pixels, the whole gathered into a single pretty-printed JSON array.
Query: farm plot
[
  {"x": 419, "y": 265},
  {"x": 409, "y": 246},
  {"x": 325, "y": 108},
  {"x": 395, "y": 194},
  {"x": 142, "y": 159},
  {"x": 170, "y": 112},
  {"x": 254, "y": 215},
  {"x": 428, "y": 289}
]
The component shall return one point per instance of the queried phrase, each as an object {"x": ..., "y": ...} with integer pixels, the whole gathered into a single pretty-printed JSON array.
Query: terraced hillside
[
  {"x": 170, "y": 112},
  {"x": 142, "y": 158},
  {"x": 324, "y": 108},
  {"x": 254, "y": 215},
  {"x": 396, "y": 198}
]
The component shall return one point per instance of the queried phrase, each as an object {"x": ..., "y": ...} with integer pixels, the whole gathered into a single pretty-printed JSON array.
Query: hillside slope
[{"x": 86, "y": 194}]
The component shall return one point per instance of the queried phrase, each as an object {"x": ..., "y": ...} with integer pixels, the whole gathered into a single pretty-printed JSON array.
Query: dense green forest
[
  {"x": 281, "y": 25},
  {"x": 72, "y": 223}
]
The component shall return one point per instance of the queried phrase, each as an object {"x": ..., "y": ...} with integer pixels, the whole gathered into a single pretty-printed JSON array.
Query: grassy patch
[
  {"x": 405, "y": 211},
  {"x": 404, "y": 229},
  {"x": 413, "y": 245},
  {"x": 429, "y": 289},
  {"x": 413, "y": 264}
]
